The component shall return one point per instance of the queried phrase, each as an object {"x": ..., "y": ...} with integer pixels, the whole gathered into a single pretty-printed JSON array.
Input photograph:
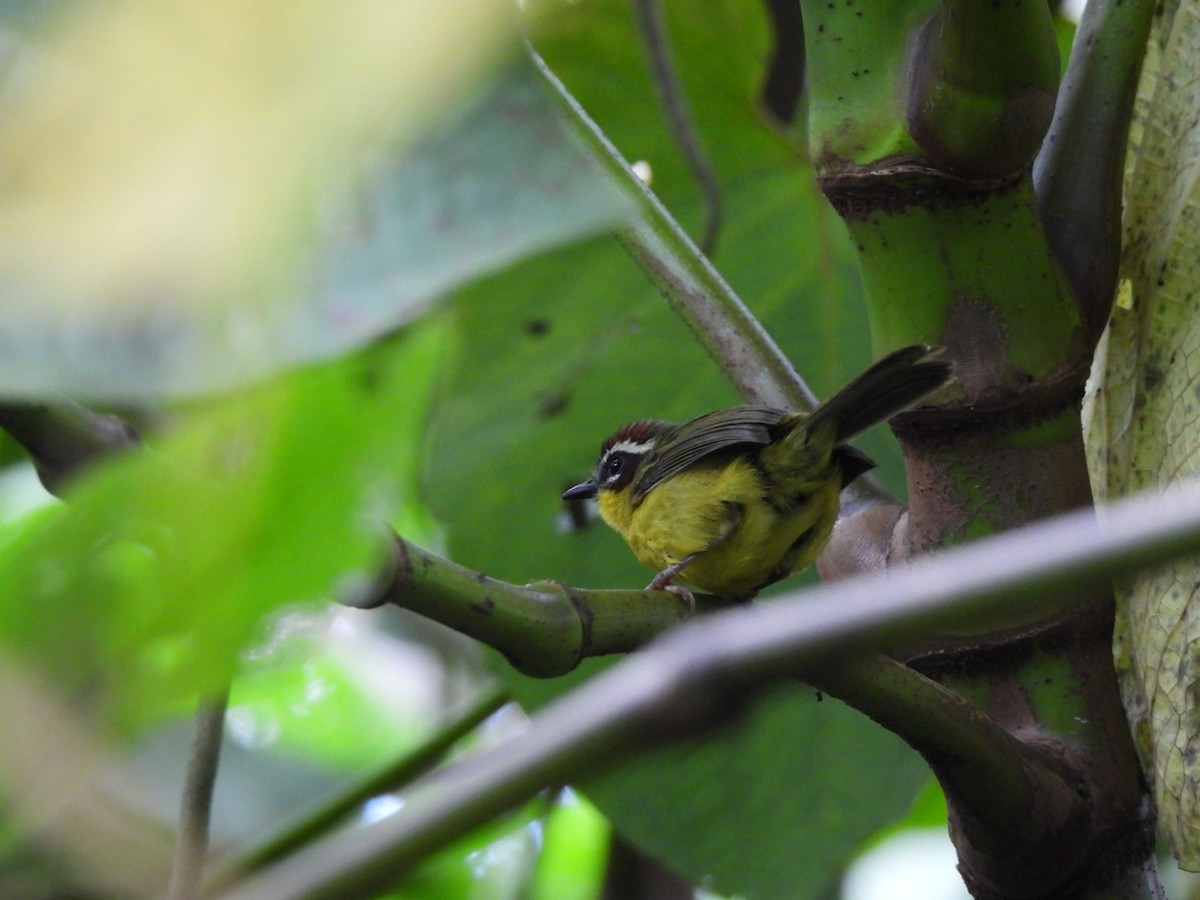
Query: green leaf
[
  {"x": 775, "y": 806},
  {"x": 575, "y": 850},
  {"x": 559, "y": 351},
  {"x": 316, "y": 706},
  {"x": 140, "y": 590},
  {"x": 1142, "y": 411},
  {"x": 496, "y": 861}
]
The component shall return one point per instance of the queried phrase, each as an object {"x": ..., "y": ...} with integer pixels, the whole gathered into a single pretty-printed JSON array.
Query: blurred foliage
[
  {"x": 576, "y": 842},
  {"x": 195, "y": 195}
]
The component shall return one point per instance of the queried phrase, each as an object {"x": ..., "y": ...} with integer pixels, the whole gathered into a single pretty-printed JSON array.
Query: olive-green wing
[
  {"x": 890, "y": 385},
  {"x": 703, "y": 436}
]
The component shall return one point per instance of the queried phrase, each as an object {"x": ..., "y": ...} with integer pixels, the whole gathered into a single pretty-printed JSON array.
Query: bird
[{"x": 737, "y": 499}]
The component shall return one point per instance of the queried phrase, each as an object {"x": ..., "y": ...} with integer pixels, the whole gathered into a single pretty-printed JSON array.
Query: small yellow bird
[{"x": 736, "y": 499}]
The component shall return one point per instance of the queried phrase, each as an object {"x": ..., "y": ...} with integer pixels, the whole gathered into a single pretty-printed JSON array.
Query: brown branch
[
  {"x": 191, "y": 843},
  {"x": 63, "y": 437}
]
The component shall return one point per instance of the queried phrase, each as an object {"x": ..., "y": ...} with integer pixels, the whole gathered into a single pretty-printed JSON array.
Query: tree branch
[
  {"x": 63, "y": 437},
  {"x": 545, "y": 629}
]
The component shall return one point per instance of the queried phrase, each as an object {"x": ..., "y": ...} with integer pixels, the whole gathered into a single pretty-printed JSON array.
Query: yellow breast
[{"x": 721, "y": 513}]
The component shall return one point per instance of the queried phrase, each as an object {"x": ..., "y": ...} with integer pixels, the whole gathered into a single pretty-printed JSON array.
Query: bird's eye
[{"x": 615, "y": 464}]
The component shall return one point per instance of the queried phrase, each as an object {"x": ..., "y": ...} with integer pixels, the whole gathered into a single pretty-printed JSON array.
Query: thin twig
[
  {"x": 737, "y": 342},
  {"x": 191, "y": 847},
  {"x": 679, "y": 116}
]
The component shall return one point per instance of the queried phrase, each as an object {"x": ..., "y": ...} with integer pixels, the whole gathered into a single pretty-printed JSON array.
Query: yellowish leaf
[{"x": 1142, "y": 416}]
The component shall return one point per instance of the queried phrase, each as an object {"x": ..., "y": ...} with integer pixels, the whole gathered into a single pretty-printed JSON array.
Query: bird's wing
[{"x": 703, "y": 436}]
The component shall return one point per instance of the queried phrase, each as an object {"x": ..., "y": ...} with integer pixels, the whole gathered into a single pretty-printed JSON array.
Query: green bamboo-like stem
[
  {"x": 926, "y": 120},
  {"x": 696, "y": 675}
]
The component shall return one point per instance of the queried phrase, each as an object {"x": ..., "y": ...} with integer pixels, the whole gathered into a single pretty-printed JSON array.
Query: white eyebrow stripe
[{"x": 631, "y": 446}]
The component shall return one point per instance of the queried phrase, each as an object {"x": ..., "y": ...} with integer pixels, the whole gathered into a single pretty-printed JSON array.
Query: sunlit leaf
[
  {"x": 575, "y": 850},
  {"x": 144, "y": 586},
  {"x": 194, "y": 194}
]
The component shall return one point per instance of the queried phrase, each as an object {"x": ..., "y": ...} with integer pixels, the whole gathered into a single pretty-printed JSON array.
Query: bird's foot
[{"x": 662, "y": 582}]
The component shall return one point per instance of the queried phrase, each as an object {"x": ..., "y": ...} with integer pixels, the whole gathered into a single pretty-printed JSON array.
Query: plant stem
[
  {"x": 679, "y": 116},
  {"x": 64, "y": 437},
  {"x": 191, "y": 846}
]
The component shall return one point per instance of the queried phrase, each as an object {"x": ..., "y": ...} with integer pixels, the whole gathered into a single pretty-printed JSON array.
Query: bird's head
[{"x": 620, "y": 456}]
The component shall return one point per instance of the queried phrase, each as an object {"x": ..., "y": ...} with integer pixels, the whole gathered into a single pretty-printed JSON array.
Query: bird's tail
[{"x": 888, "y": 386}]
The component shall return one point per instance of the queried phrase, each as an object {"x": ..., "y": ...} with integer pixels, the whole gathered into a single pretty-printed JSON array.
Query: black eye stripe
[{"x": 616, "y": 468}]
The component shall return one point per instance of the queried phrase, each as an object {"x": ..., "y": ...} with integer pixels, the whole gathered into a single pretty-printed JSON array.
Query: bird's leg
[{"x": 662, "y": 581}]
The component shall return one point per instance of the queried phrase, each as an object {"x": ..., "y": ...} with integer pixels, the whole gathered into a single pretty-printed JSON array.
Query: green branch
[{"x": 545, "y": 629}]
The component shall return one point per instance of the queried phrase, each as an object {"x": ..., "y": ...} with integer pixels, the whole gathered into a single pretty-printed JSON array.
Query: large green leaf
[
  {"x": 182, "y": 216},
  {"x": 1142, "y": 415},
  {"x": 559, "y": 351},
  {"x": 140, "y": 590}
]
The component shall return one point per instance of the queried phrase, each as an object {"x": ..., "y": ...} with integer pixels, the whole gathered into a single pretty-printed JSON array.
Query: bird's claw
[{"x": 681, "y": 590}]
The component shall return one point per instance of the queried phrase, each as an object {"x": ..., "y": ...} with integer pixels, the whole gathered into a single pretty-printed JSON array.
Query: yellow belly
[{"x": 689, "y": 512}]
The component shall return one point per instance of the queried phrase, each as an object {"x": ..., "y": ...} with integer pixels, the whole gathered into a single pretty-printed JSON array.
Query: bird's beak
[{"x": 584, "y": 491}]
